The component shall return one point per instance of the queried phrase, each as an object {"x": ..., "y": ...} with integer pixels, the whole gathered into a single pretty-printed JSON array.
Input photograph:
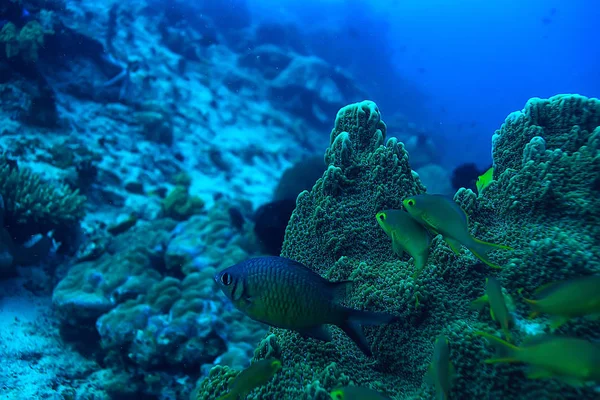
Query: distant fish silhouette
[
  {"x": 553, "y": 11},
  {"x": 546, "y": 21},
  {"x": 353, "y": 33},
  {"x": 422, "y": 70}
]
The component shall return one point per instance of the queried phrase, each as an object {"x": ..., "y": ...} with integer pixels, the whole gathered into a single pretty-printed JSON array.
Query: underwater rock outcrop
[{"x": 544, "y": 203}]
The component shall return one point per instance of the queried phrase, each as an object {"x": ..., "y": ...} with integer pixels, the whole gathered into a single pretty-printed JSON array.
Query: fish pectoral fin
[
  {"x": 396, "y": 247},
  {"x": 557, "y": 322},
  {"x": 538, "y": 373},
  {"x": 319, "y": 332},
  {"x": 429, "y": 222},
  {"x": 454, "y": 245}
]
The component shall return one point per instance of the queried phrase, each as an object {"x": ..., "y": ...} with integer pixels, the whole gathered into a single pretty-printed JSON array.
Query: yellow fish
[
  {"x": 443, "y": 216},
  {"x": 441, "y": 371},
  {"x": 484, "y": 180},
  {"x": 568, "y": 299},
  {"x": 356, "y": 393},
  {"x": 574, "y": 361},
  {"x": 407, "y": 235},
  {"x": 252, "y": 377},
  {"x": 498, "y": 309}
]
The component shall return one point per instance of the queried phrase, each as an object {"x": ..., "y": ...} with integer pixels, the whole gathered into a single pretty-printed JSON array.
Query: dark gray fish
[{"x": 286, "y": 294}]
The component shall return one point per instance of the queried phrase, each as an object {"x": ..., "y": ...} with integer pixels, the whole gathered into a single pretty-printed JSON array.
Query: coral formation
[
  {"x": 31, "y": 201},
  {"x": 27, "y": 41},
  {"x": 531, "y": 206}
]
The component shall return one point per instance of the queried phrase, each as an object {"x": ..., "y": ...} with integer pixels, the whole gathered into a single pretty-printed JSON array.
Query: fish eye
[
  {"x": 337, "y": 395},
  {"x": 411, "y": 202},
  {"x": 226, "y": 279},
  {"x": 381, "y": 216}
]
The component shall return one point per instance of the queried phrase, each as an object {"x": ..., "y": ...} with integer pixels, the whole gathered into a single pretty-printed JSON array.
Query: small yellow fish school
[
  {"x": 254, "y": 376},
  {"x": 571, "y": 360},
  {"x": 484, "y": 180},
  {"x": 579, "y": 297},
  {"x": 441, "y": 371},
  {"x": 498, "y": 305},
  {"x": 407, "y": 235}
]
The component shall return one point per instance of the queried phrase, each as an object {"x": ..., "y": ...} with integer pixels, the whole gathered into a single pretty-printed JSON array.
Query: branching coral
[{"x": 32, "y": 205}]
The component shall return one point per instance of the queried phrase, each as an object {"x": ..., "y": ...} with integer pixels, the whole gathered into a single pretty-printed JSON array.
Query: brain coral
[{"x": 544, "y": 203}]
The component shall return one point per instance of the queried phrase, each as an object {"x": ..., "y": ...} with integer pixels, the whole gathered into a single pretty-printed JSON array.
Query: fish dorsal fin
[
  {"x": 546, "y": 289},
  {"x": 340, "y": 290},
  {"x": 458, "y": 208}
]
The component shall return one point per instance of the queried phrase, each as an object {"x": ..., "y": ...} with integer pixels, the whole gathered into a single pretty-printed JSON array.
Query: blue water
[{"x": 475, "y": 61}]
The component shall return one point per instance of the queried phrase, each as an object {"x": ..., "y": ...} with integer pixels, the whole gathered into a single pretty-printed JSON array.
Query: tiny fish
[
  {"x": 356, "y": 393},
  {"x": 498, "y": 309},
  {"x": 441, "y": 371},
  {"x": 286, "y": 294},
  {"x": 252, "y": 377},
  {"x": 407, "y": 235},
  {"x": 484, "y": 180},
  {"x": 443, "y": 216},
  {"x": 578, "y": 297},
  {"x": 574, "y": 361}
]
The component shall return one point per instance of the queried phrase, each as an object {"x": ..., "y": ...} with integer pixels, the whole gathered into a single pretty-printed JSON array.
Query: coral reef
[
  {"x": 149, "y": 302},
  {"x": 531, "y": 206}
]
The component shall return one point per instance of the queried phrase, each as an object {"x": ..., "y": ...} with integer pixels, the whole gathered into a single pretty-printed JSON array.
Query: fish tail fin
[
  {"x": 480, "y": 302},
  {"x": 480, "y": 249},
  {"x": 532, "y": 303},
  {"x": 505, "y": 352},
  {"x": 352, "y": 326},
  {"x": 506, "y": 333}
]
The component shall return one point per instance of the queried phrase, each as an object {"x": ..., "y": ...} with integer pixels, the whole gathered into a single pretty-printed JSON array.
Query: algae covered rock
[
  {"x": 544, "y": 203},
  {"x": 93, "y": 288}
]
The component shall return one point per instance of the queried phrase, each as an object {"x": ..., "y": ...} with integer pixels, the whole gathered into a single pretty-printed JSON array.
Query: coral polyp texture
[{"x": 544, "y": 202}]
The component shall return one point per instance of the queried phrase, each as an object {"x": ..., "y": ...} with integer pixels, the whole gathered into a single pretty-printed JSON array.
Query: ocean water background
[{"x": 470, "y": 62}]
